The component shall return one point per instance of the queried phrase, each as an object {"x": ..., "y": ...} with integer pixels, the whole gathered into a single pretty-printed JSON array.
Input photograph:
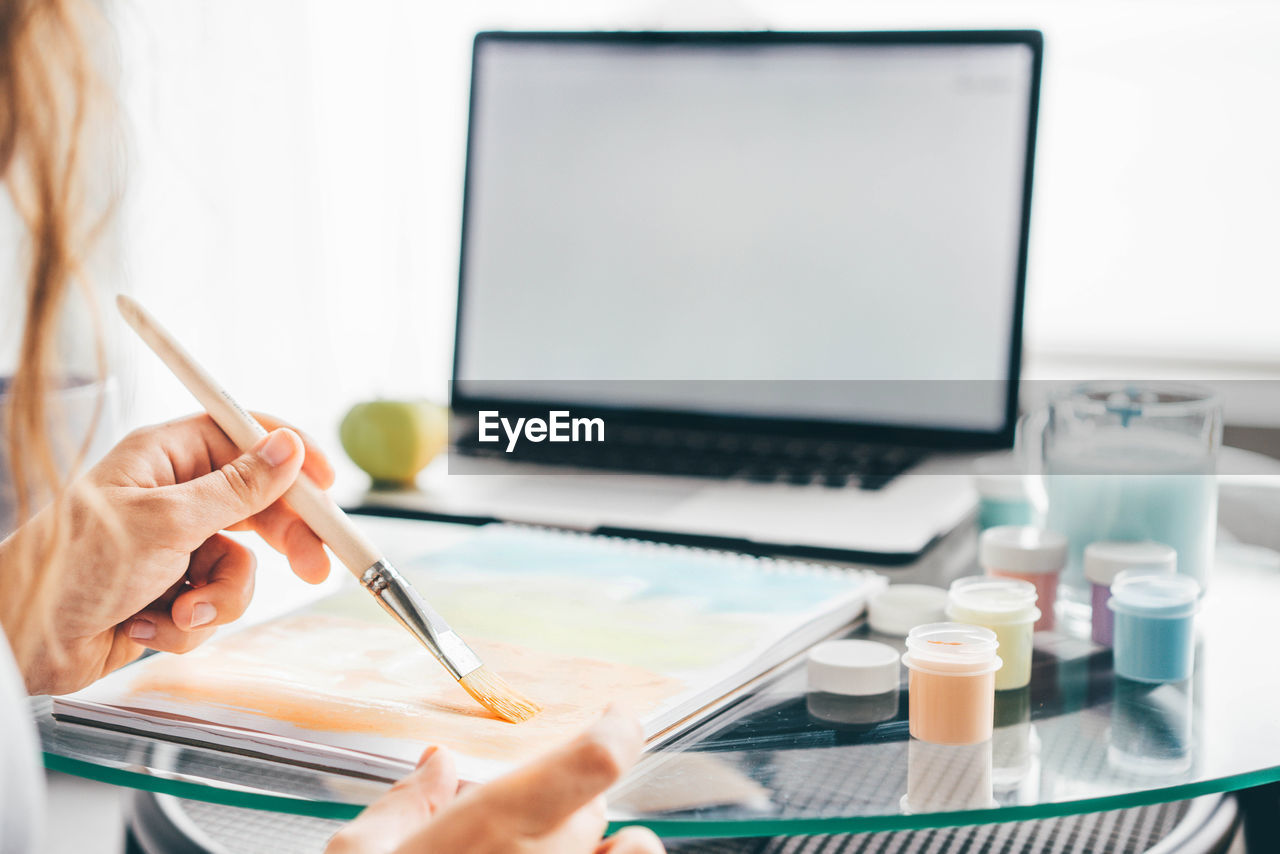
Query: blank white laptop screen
[{"x": 746, "y": 211}]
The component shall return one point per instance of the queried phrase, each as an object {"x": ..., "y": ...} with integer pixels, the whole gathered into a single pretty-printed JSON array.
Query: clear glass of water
[
  {"x": 76, "y": 407},
  {"x": 1131, "y": 461}
]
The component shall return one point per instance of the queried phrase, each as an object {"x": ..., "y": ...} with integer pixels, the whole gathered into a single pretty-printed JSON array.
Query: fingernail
[
  {"x": 427, "y": 754},
  {"x": 202, "y": 614},
  {"x": 605, "y": 724},
  {"x": 616, "y": 724},
  {"x": 277, "y": 448},
  {"x": 141, "y": 629}
]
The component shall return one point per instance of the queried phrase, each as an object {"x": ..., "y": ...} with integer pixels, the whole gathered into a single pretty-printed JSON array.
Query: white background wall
[{"x": 295, "y": 193}]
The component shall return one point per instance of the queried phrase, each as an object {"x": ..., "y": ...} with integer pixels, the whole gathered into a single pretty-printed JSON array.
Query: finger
[
  {"x": 541, "y": 795},
  {"x": 406, "y": 808},
  {"x": 165, "y": 599},
  {"x": 221, "y": 575},
  {"x": 433, "y": 783},
  {"x": 470, "y": 824},
  {"x": 199, "y": 561},
  {"x": 239, "y": 489},
  {"x": 285, "y": 532},
  {"x": 580, "y": 832},
  {"x": 156, "y": 630},
  {"x": 632, "y": 840},
  {"x": 195, "y": 446},
  {"x": 316, "y": 464}
]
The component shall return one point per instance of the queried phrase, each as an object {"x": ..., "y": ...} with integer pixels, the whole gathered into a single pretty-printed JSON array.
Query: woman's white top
[{"x": 21, "y": 780}]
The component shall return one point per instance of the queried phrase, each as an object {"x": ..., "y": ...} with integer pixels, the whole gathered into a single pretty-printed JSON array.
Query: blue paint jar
[
  {"x": 1003, "y": 499},
  {"x": 1154, "y": 625}
]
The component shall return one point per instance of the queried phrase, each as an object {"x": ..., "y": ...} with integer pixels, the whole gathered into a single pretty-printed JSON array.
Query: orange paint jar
[{"x": 951, "y": 687}]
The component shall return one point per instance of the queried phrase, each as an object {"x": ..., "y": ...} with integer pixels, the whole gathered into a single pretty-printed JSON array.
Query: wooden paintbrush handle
[
  {"x": 309, "y": 501},
  {"x": 332, "y": 526}
]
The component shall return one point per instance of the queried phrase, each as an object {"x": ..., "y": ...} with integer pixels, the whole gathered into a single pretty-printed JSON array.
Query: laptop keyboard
[{"x": 724, "y": 456}]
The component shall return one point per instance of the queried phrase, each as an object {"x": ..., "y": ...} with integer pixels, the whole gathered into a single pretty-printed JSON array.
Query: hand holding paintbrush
[{"x": 344, "y": 539}]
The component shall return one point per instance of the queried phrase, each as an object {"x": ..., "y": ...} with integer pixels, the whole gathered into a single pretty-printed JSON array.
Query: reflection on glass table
[{"x": 1077, "y": 739}]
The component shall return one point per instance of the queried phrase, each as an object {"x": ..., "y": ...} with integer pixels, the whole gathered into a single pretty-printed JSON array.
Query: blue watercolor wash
[
  {"x": 718, "y": 581},
  {"x": 1154, "y": 626}
]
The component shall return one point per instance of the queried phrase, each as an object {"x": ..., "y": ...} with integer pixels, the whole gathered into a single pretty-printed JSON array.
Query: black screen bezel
[{"x": 939, "y": 438}]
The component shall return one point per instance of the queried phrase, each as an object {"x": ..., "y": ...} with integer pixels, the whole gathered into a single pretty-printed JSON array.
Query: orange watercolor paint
[
  {"x": 951, "y": 683},
  {"x": 334, "y": 674}
]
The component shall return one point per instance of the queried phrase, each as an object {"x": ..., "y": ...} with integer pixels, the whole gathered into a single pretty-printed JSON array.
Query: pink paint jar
[
  {"x": 951, "y": 683},
  {"x": 1029, "y": 554},
  {"x": 1103, "y": 561}
]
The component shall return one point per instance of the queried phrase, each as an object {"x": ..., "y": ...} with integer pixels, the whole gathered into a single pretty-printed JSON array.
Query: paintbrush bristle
[{"x": 493, "y": 692}]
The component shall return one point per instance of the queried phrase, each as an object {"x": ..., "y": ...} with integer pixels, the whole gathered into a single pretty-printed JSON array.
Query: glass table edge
[
  {"x": 800, "y": 826},
  {"x": 193, "y": 791},
  {"x": 694, "y": 828}
]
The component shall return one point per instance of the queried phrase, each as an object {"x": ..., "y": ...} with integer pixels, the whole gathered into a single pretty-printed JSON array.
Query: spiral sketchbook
[{"x": 574, "y": 621}]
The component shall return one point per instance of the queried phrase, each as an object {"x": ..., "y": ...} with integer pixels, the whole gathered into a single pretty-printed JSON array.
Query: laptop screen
[{"x": 762, "y": 213}]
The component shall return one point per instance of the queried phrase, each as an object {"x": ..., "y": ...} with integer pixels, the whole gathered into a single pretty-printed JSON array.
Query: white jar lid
[
  {"x": 1103, "y": 561},
  {"x": 853, "y": 667},
  {"x": 899, "y": 608},
  {"x": 1022, "y": 548},
  {"x": 1154, "y": 594}
]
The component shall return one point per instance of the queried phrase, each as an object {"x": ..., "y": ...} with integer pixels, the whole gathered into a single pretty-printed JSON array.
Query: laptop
[{"x": 784, "y": 270}]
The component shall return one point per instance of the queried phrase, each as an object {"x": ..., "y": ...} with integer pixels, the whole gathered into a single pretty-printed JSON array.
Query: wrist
[
  {"x": 23, "y": 617},
  {"x": 11, "y": 605}
]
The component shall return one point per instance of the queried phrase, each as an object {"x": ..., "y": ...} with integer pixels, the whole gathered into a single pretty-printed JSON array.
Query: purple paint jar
[{"x": 1103, "y": 561}]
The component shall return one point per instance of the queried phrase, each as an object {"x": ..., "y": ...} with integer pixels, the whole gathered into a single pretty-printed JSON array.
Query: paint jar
[
  {"x": 1028, "y": 554},
  {"x": 1004, "y": 499},
  {"x": 1154, "y": 625},
  {"x": 899, "y": 608},
  {"x": 853, "y": 684},
  {"x": 1006, "y": 606},
  {"x": 951, "y": 682},
  {"x": 1104, "y": 561}
]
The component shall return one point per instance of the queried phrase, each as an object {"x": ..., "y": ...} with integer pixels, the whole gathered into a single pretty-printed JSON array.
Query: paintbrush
[{"x": 335, "y": 528}]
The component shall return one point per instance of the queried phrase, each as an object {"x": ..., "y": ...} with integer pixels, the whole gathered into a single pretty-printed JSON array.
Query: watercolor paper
[{"x": 574, "y": 621}]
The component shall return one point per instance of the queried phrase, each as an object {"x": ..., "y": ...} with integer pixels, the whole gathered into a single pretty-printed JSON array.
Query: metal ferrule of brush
[{"x": 400, "y": 600}]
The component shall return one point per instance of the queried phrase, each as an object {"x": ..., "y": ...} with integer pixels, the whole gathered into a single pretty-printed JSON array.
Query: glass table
[{"x": 1078, "y": 739}]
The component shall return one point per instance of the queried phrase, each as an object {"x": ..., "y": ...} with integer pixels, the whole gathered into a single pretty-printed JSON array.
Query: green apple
[{"x": 393, "y": 440}]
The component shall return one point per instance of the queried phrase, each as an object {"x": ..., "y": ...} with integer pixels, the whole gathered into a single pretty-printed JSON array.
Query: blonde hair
[{"x": 53, "y": 107}]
